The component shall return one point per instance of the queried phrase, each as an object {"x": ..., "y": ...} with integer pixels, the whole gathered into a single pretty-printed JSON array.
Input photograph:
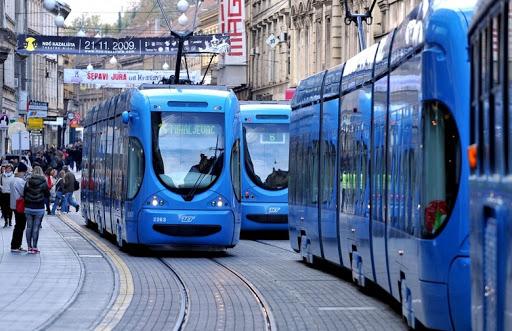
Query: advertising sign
[
  {"x": 121, "y": 78},
  {"x": 232, "y": 18},
  {"x": 35, "y": 124},
  {"x": 20, "y": 141},
  {"x": 37, "y": 109},
  {"x": 35, "y": 44}
]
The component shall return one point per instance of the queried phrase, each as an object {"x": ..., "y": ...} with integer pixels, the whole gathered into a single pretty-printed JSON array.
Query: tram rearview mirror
[{"x": 126, "y": 117}]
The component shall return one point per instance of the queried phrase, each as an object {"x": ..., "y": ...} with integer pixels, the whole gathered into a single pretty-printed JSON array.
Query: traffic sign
[{"x": 272, "y": 41}]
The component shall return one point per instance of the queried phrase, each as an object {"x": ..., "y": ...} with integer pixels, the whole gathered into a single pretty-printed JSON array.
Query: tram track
[
  {"x": 187, "y": 310},
  {"x": 266, "y": 243},
  {"x": 185, "y": 297},
  {"x": 265, "y": 307}
]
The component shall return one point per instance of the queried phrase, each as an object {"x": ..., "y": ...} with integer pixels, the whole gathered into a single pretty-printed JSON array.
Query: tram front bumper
[
  {"x": 264, "y": 216},
  {"x": 187, "y": 227}
]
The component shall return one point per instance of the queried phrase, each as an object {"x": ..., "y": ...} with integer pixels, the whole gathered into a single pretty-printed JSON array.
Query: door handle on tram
[{"x": 401, "y": 252}]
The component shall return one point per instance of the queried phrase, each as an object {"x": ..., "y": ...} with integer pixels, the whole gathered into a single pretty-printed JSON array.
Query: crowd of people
[{"x": 33, "y": 184}]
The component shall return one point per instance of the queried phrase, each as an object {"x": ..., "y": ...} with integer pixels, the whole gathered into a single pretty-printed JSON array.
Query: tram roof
[
  {"x": 264, "y": 106},
  {"x": 153, "y": 91}
]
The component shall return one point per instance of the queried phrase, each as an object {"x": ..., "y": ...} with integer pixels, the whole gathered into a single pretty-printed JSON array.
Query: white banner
[
  {"x": 232, "y": 21},
  {"x": 122, "y": 78}
]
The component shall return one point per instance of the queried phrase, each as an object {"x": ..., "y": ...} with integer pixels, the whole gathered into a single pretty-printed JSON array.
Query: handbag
[
  {"x": 20, "y": 205},
  {"x": 77, "y": 185}
]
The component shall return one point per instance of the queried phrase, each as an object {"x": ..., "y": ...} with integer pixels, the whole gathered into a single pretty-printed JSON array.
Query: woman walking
[
  {"x": 6, "y": 179},
  {"x": 35, "y": 192},
  {"x": 50, "y": 179}
]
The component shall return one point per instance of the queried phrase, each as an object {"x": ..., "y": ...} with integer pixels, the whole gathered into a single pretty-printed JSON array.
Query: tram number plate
[{"x": 159, "y": 219}]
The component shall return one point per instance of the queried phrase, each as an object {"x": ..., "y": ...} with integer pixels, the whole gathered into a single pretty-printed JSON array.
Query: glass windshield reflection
[
  {"x": 188, "y": 150},
  {"x": 266, "y": 154}
]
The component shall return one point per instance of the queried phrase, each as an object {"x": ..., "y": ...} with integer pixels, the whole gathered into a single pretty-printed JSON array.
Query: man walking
[
  {"x": 69, "y": 188},
  {"x": 17, "y": 186}
]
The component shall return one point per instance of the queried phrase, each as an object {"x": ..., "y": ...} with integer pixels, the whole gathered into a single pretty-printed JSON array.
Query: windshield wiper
[{"x": 192, "y": 192}]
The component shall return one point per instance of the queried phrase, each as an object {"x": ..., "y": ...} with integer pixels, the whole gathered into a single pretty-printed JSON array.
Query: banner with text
[
  {"x": 232, "y": 22},
  {"x": 36, "y": 44},
  {"x": 122, "y": 78}
]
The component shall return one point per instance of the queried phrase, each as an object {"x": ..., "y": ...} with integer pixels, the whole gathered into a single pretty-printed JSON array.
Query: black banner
[{"x": 36, "y": 44}]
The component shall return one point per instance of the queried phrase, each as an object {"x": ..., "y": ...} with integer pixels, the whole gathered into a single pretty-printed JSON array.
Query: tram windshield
[
  {"x": 266, "y": 154},
  {"x": 188, "y": 150}
]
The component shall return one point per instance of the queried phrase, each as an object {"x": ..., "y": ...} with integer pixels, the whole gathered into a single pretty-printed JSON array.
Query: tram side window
[
  {"x": 235, "y": 170},
  {"x": 135, "y": 167},
  {"x": 441, "y": 170}
]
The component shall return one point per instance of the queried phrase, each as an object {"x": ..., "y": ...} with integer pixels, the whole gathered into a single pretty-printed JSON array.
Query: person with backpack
[
  {"x": 5, "y": 196},
  {"x": 18, "y": 207},
  {"x": 34, "y": 193}
]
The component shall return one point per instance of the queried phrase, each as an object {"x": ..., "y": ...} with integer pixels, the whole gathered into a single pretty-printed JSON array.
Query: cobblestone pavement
[
  {"x": 304, "y": 298},
  {"x": 50, "y": 290},
  {"x": 74, "y": 284}
]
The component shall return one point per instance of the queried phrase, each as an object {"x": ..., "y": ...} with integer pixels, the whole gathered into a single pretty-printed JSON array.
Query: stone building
[
  {"x": 289, "y": 40},
  {"x": 321, "y": 39},
  {"x": 268, "y": 39},
  {"x": 7, "y": 56},
  {"x": 39, "y": 77}
]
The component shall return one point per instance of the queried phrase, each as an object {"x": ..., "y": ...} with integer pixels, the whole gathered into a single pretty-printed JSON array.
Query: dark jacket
[
  {"x": 36, "y": 189},
  {"x": 69, "y": 182}
]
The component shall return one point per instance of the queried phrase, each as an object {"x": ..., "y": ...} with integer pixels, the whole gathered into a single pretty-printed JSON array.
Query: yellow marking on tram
[{"x": 126, "y": 288}]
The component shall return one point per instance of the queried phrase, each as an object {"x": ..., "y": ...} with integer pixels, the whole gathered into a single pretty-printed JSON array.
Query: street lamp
[
  {"x": 165, "y": 66},
  {"x": 182, "y": 6},
  {"x": 113, "y": 60},
  {"x": 59, "y": 20},
  {"x": 80, "y": 33},
  {"x": 49, "y": 4},
  {"x": 90, "y": 67}
]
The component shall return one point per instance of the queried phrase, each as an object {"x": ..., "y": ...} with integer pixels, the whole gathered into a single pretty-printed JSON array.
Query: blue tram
[
  {"x": 490, "y": 157},
  {"x": 264, "y": 153},
  {"x": 161, "y": 167},
  {"x": 378, "y": 176}
]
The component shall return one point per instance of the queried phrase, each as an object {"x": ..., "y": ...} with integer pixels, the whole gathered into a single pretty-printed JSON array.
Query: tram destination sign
[{"x": 37, "y": 44}]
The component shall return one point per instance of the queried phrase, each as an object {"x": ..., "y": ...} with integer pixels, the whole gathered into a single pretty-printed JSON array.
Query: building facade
[
  {"x": 39, "y": 77},
  {"x": 268, "y": 38},
  {"x": 291, "y": 40},
  {"x": 7, "y": 65}
]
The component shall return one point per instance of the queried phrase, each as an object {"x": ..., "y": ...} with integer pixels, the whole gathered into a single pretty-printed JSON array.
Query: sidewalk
[{"x": 36, "y": 288}]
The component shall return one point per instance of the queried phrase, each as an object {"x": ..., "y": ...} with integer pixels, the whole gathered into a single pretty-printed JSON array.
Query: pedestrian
[
  {"x": 59, "y": 192},
  {"x": 50, "y": 180},
  {"x": 35, "y": 192},
  {"x": 5, "y": 196},
  {"x": 69, "y": 188},
  {"x": 17, "y": 206}
]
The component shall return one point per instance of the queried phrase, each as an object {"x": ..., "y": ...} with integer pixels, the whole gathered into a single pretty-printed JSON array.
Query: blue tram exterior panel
[
  {"x": 400, "y": 215},
  {"x": 490, "y": 178},
  {"x": 169, "y": 176},
  {"x": 264, "y": 165}
]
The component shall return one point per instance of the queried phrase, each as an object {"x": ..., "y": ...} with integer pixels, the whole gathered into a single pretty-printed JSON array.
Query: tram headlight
[
  {"x": 155, "y": 201},
  {"x": 219, "y": 203}
]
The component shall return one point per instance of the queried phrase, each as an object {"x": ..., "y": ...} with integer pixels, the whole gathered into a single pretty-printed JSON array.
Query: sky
[{"x": 107, "y": 9}]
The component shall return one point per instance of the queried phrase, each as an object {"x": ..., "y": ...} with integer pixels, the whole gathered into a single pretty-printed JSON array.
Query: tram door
[
  {"x": 378, "y": 184},
  {"x": 328, "y": 178}
]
